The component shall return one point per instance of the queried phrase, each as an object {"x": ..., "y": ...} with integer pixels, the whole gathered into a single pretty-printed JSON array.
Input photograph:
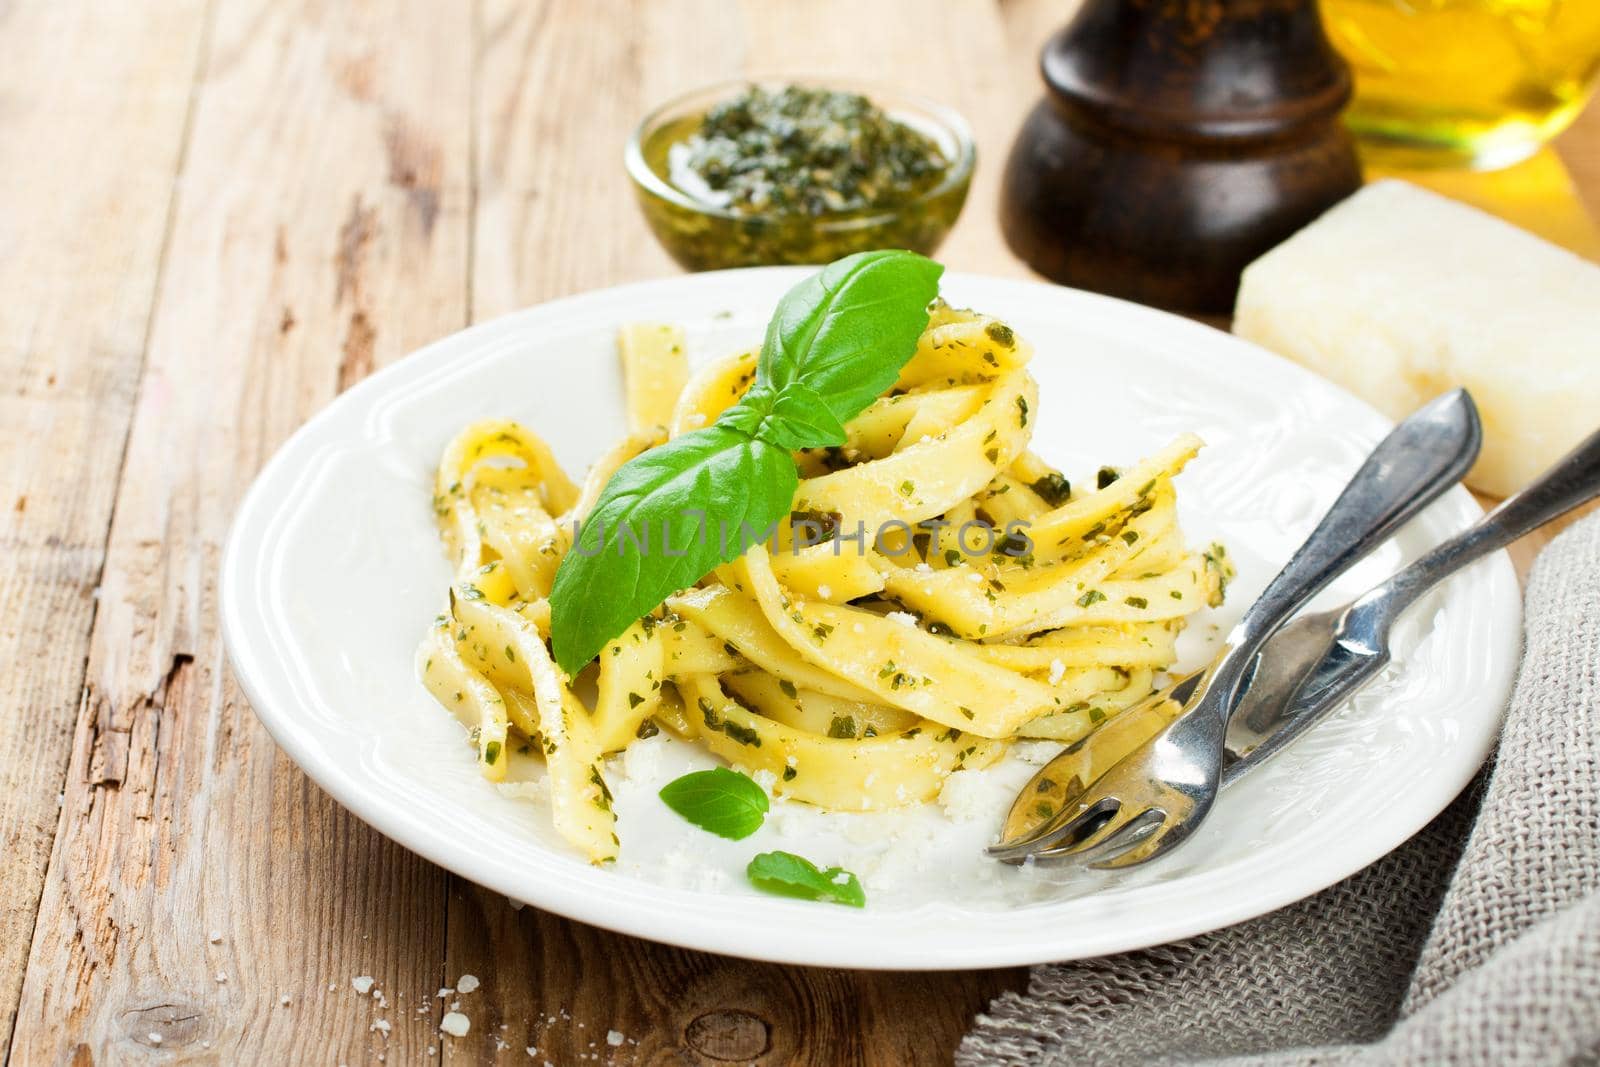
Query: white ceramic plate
[{"x": 333, "y": 571}]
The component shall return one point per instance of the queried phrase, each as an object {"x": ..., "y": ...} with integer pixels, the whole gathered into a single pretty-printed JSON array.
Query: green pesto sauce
[
  {"x": 805, "y": 151},
  {"x": 797, "y": 175}
]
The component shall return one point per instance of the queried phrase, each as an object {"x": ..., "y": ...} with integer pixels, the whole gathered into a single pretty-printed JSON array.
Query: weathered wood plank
[
  {"x": 555, "y": 215},
  {"x": 93, "y": 99},
  {"x": 1579, "y": 148},
  {"x": 561, "y": 987},
  {"x": 321, "y": 229}
]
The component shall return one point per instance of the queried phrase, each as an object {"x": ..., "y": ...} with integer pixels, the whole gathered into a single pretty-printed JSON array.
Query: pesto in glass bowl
[{"x": 746, "y": 174}]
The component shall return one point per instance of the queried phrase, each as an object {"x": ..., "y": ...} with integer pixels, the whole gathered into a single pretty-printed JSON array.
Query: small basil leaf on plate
[
  {"x": 789, "y": 875},
  {"x": 847, "y": 330},
  {"x": 665, "y": 519},
  {"x": 721, "y": 801}
]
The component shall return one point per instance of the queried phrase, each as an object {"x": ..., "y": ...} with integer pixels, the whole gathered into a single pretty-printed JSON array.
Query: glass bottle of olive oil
[{"x": 1483, "y": 82}]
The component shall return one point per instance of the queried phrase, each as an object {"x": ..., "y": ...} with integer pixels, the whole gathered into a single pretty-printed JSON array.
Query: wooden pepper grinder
[{"x": 1179, "y": 140}]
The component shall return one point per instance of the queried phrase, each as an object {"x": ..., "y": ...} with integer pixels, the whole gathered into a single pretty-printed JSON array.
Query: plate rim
[{"x": 797, "y": 933}]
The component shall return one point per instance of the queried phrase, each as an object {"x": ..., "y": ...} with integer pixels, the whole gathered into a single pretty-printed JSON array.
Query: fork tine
[
  {"x": 1128, "y": 833},
  {"x": 1132, "y": 834},
  {"x": 1086, "y": 820},
  {"x": 1120, "y": 817},
  {"x": 1111, "y": 817},
  {"x": 1147, "y": 847}
]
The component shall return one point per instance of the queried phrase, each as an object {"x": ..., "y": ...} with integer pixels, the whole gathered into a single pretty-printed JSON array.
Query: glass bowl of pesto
[{"x": 751, "y": 173}]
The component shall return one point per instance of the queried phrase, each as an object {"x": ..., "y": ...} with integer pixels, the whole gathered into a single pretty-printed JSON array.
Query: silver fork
[
  {"x": 1312, "y": 664},
  {"x": 1150, "y": 801},
  {"x": 1337, "y": 652}
]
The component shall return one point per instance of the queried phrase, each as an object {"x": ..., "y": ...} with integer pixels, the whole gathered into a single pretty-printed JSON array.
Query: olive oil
[{"x": 1479, "y": 81}]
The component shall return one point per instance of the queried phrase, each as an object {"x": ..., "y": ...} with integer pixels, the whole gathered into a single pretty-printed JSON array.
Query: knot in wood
[
  {"x": 728, "y": 1034},
  {"x": 177, "y": 1025}
]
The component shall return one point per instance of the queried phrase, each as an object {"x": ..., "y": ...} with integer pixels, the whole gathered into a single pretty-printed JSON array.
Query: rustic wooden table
[{"x": 214, "y": 215}]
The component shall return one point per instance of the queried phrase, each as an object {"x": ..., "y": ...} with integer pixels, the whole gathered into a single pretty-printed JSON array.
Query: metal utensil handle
[
  {"x": 1573, "y": 481},
  {"x": 1430, "y": 451}
]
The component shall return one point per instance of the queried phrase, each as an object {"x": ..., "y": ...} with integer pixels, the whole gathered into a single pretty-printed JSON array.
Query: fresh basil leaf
[
  {"x": 721, "y": 801},
  {"x": 836, "y": 341},
  {"x": 848, "y": 330},
  {"x": 795, "y": 418},
  {"x": 666, "y": 518},
  {"x": 800, "y": 419},
  {"x": 789, "y": 875}
]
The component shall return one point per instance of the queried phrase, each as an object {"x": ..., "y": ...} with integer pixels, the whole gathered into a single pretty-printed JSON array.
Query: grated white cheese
[
  {"x": 467, "y": 983},
  {"x": 531, "y": 790},
  {"x": 455, "y": 1024},
  {"x": 1037, "y": 753},
  {"x": 614, "y": 1038},
  {"x": 1057, "y": 669},
  {"x": 641, "y": 760},
  {"x": 969, "y": 795},
  {"x": 825, "y": 592},
  {"x": 362, "y": 984},
  {"x": 904, "y": 618}
]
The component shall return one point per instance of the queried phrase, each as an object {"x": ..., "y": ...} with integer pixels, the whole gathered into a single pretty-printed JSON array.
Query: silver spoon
[{"x": 1155, "y": 796}]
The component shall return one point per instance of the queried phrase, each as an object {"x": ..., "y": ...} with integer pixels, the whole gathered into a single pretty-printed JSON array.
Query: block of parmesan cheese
[{"x": 1399, "y": 294}]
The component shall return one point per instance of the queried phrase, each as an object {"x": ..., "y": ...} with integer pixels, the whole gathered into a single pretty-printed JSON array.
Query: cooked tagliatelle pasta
[{"x": 987, "y": 601}]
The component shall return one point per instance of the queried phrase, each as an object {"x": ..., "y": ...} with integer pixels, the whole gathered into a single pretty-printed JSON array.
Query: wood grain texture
[
  {"x": 1579, "y": 148},
  {"x": 320, "y": 230},
  {"x": 93, "y": 101}
]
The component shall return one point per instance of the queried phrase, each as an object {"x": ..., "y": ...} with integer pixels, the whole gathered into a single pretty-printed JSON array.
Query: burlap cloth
[{"x": 1476, "y": 942}]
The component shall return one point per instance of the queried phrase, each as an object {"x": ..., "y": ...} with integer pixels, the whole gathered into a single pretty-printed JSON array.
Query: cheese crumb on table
[
  {"x": 362, "y": 984},
  {"x": 614, "y": 1038},
  {"x": 455, "y": 1024},
  {"x": 467, "y": 983}
]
